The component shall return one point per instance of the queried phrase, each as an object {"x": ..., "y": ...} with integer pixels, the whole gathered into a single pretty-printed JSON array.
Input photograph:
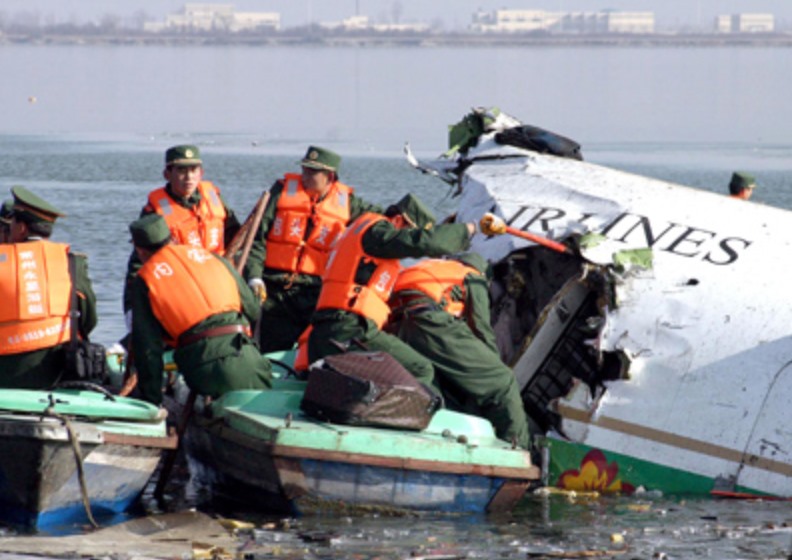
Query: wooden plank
[
  {"x": 166, "y": 442},
  {"x": 507, "y": 497}
]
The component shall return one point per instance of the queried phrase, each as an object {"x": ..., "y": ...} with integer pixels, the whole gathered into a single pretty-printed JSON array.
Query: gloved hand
[
  {"x": 259, "y": 288},
  {"x": 490, "y": 224}
]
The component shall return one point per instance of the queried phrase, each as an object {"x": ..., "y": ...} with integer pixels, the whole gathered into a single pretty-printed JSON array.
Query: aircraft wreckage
[{"x": 655, "y": 352}]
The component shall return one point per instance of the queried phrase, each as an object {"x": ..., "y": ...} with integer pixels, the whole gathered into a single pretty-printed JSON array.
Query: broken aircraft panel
[{"x": 677, "y": 371}]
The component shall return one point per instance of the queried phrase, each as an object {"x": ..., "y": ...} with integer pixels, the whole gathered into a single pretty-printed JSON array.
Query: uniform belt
[
  {"x": 403, "y": 302},
  {"x": 209, "y": 333},
  {"x": 400, "y": 313}
]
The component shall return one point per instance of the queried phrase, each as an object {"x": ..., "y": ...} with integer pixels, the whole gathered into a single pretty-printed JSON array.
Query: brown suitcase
[{"x": 368, "y": 389}]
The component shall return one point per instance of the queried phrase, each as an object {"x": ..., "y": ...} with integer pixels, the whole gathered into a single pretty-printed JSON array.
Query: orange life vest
[
  {"x": 199, "y": 226},
  {"x": 35, "y": 288},
  {"x": 435, "y": 278},
  {"x": 186, "y": 286},
  {"x": 291, "y": 246},
  {"x": 339, "y": 290}
]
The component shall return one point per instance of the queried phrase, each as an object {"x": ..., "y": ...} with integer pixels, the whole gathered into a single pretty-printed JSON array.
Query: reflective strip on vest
[
  {"x": 35, "y": 291},
  {"x": 292, "y": 184},
  {"x": 188, "y": 285},
  {"x": 165, "y": 206},
  {"x": 215, "y": 198}
]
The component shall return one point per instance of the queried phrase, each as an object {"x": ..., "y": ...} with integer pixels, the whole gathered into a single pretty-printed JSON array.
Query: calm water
[{"x": 93, "y": 142}]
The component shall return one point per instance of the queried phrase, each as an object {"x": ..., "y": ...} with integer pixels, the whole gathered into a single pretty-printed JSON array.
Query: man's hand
[
  {"x": 259, "y": 288},
  {"x": 490, "y": 224}
]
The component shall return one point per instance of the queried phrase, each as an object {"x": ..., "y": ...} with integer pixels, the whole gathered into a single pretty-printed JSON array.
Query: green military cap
[
  {"x": 321, "y": 158},
  {"x": 740, "y": 181},
  {"x": 150, "y": 232},
  {"x": 29, "y": 207},
  {"x": 6, "y": 211},
  {"x": 183, "y": 155},
  {"x": 415, "y": 210}
]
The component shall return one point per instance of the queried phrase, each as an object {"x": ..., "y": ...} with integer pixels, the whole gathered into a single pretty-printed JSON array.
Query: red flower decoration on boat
[{"x": 595, "y": 474}]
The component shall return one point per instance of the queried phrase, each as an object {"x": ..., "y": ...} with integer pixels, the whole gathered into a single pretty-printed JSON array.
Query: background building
[
  {"x": 526, "y": 21},
  {"x": 745, "y": 23},
  {"x": 362, "y": 23},
  {"x": 510, "y": 21},
  {"x": 215, "y": 17}
]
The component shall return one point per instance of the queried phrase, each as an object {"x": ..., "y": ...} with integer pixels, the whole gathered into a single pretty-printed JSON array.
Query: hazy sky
[{"x": 454, "y": 13}]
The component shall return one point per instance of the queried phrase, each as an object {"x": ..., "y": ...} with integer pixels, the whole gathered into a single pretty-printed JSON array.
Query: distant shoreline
[{"x": 426, "y": 40}]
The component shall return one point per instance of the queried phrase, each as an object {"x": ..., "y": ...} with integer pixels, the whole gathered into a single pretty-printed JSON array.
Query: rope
[{"x": 75, "y": 444}]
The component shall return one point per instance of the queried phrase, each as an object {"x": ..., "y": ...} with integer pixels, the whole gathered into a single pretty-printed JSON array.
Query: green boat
[
  {"x": 260, "y": 448},
  {"x": 70, "y": 456}
]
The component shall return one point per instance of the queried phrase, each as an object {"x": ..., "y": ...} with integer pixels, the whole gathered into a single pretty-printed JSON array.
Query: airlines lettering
[{"x": 678, "y": 239}]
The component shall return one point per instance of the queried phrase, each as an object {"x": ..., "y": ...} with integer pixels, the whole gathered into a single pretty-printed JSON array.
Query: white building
[
  {"x": 723, "y": 24},
  {"x": 745, "y": 23},
  {"x": 215, "y": 17},
  {"x": 526, "y": 21},
  {"x": 354, "y": 23},
  {"x": 510, "y": 21},
  {"x": 249, "y": 21},
  {"x": 629, "y": 22},
  {"x": 362, "y": 23}
]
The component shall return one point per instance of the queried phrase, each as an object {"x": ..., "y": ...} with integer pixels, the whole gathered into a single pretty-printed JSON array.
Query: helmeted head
[
  {"x": 150, "y": 232},
  {"x": 414, "y": 212},
  {"x": 183, "y": 155},
  {"x": 35, "y": 213},
  {"x": 741, "y": 181},
  {"x": 321, "y": 159},
  {"x": 183, "y": 169},
  {"x": 319, "y": 170}
]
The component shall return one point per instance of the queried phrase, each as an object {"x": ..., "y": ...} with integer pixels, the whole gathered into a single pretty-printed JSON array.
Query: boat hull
[
  {"x": 39, "y": 465},
  {"x": 250, "y": 464},
  {"x": 289, "y": 481}
]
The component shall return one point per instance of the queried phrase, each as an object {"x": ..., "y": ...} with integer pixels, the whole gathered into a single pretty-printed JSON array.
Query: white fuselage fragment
[{"x": 707, "y": 328}]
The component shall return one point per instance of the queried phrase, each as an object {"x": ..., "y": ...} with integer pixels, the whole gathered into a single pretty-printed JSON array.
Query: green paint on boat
[
  {"x": 77, "y": 403},
  {"x": 275, "y": 416}
]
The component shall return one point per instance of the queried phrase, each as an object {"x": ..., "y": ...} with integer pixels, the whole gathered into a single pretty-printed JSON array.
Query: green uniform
[
  {"x": 384, "y": 240},
  {"x": 210, "y": 366},
  {"x": 465, "y": 356},
  {"x": 133, "y": 265},
  {"x": 40, "y": 369},
  {"x": 291, "y": 298}
]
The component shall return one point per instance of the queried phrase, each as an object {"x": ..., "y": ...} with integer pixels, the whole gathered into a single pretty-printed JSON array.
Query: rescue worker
[
  {"x": 197, "y": 303},
  {"x": 36, "y": 292},
  {"x": 306, "y": 212},
  {"x": 193, "y": 208},
  {"x": 6, "y": 211},
  {"x": 441, "y": 308},
  {"x": 741, "y": 185},
  {"x": 360, "y": 274}
]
